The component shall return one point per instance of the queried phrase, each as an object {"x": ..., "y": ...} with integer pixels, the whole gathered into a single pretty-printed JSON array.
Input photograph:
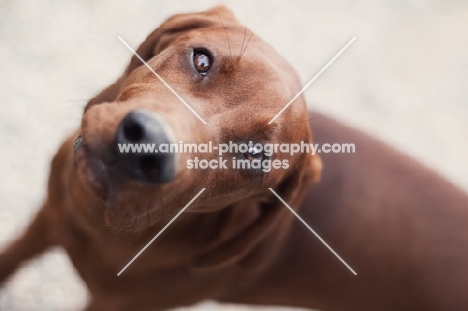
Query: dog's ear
[
  {"x": 253, "y": 246},
  {"x": 161, "y": 38}
]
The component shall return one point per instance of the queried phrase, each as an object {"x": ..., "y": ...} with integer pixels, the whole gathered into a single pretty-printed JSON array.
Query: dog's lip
[
  {"x": 78, "y": 142},
  {"x": 96, "y": 173}
]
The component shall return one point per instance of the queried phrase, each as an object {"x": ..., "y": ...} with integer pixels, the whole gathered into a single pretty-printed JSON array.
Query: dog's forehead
[
  {"x": 233, "y": 41},
  {"x": 235, "y": 34},
  {"x": 243, "y": 58}
]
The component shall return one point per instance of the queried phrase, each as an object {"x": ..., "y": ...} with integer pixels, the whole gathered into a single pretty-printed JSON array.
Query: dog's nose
[{"x": 138, "y": 137}]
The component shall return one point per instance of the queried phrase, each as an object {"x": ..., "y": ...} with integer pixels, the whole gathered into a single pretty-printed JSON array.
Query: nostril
[
  {"x": 149, "y": 163},
  {"x": 142, "y": 129},
  {"x": 133, "y": 131}
]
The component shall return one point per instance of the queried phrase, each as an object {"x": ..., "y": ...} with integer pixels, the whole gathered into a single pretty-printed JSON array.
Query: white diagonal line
[
  {"x": 312, "y": 230},
  {"x": 161, "y": 79},
  {"x": 162, "y": 230},
  {"x": 313, "y": 79}
]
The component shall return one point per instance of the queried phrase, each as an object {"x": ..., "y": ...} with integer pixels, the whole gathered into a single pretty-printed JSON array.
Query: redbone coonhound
[{"x": 402, "y": 228}]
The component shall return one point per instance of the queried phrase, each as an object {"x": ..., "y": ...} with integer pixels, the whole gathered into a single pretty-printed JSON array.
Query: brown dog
[{"x": 400, "y": 226}]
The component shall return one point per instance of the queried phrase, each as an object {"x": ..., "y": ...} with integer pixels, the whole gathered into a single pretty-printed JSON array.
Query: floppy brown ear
[
  {"x": 160, "y": 39},
  {"x": 254, "y": 245}
]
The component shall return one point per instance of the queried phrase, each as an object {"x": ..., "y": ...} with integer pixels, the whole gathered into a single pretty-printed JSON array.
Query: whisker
[
  {"x": 227, "y": 36},
  {"x": 251, "y": 35},
  {"x": 63, "y": 162},
  {"x": 243, "y": 39}
]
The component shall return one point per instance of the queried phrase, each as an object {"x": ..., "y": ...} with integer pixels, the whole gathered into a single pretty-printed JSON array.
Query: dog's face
[{"x": 232, "y": 79}]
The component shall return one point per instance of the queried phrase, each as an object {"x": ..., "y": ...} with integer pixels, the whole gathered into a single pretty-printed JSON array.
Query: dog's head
[{"x": 233, "y": 81}]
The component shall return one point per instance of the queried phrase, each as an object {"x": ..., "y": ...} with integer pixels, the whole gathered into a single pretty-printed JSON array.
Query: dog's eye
[
  {"x": 202, "y": 61},
  {"x": 254, "y": 153}
]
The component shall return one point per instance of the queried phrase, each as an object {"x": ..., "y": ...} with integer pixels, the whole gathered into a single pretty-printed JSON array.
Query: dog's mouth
[
  {"x": 109, "y": 184},
  {"x": 91, "y": 167}
]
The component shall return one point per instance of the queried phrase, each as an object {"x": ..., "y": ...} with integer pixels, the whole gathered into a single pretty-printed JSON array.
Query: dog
[{"x": 400, "y": 226}]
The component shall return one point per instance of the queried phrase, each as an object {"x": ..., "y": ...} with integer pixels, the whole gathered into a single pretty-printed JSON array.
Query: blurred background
[{"x": 404, "y": 80}]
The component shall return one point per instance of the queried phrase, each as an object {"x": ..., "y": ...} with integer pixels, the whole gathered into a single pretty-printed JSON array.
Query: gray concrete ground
[{"x": 404, "y": 80}]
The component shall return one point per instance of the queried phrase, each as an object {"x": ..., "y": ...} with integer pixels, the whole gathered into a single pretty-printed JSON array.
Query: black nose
[{"x": 138, "y": 135}]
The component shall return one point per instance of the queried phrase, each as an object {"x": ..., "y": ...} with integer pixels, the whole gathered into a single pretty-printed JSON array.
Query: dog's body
[{"x": 400, "y": 226}]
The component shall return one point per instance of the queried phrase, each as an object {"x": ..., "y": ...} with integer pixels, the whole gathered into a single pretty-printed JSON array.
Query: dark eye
[
  {"x": 202, "y": 61},
  {"x": 254, "y": 153}
]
